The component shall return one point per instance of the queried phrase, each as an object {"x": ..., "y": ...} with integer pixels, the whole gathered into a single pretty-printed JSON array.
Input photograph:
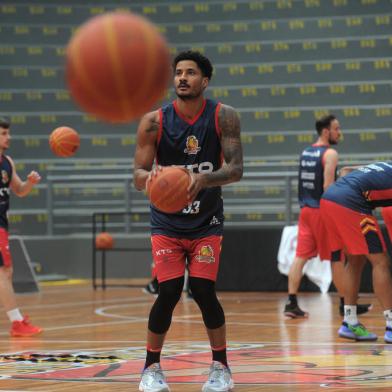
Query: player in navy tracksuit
[
  {"x": 9, "y": 180},
  {"x": 346, "y": 209},
  {"x": 203, "y": 136}
]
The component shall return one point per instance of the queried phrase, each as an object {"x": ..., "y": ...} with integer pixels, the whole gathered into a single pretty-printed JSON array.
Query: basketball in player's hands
[
  {"x": 64, "y": 141},
  {"x": 167, "y": 190},
  {"x": 104, "y": 240}
]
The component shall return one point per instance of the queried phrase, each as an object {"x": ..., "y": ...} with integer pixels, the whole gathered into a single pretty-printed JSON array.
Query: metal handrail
[{"x": 256, "y": 178}]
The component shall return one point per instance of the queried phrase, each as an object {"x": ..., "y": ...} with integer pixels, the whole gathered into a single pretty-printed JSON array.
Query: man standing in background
[
  {"x": 317, "y": 171},
  {"x": 21, "y": 326}
]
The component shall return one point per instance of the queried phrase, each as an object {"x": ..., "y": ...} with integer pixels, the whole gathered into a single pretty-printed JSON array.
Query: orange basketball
[
  {"x": 168, "y": 189},
  {"x": 117, "y": 66},
  {"x": 64, "y": 141},
  {"x": 104, "y": 241}
]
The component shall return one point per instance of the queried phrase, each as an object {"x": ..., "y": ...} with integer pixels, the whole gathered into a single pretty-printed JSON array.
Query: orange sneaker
[{"x": 24, "y": 328}]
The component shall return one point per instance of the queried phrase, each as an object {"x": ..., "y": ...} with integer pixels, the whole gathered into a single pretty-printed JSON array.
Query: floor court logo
[{"x": 256, "y": 364}]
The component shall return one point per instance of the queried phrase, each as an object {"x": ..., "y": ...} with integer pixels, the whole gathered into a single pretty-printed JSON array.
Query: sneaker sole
[
  {"x": 155, "y": 390},
  {"x": 294, "y": 315},
  {"x": 387, "y": 340},
  {"x": 24, "y": 335},
  {"x": 357, "y": 338},
  {"x": 208, "y": 389}
]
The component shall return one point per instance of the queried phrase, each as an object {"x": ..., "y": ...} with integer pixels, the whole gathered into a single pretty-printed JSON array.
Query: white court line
[
  {"x": 92, "y": 302},
  {"x": 186, "y": 319},
  {"x": 149, "y": 299},
  {"x": 184, "y": 343},
  {"x": 88, "y": 325}
]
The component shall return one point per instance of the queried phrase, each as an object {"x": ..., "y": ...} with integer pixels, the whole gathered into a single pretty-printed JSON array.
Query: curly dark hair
[
  {"x": 202, "y": 61},
  {"x": 4, "y": 122},
  {"x": 324, "y": 122}
]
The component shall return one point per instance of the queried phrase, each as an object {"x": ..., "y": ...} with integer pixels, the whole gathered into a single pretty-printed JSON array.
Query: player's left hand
[
  {"x": 196, "y": 185},
  {"x": 33, "y": 177}
]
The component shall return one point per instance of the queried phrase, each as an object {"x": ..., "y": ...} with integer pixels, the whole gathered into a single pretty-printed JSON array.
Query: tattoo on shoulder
[{"x": 153, "y": 124}]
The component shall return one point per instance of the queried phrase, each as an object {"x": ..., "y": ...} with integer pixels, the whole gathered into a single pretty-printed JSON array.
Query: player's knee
[
  {"x": 162, "y": 310},
  {"x": 170, "y": 292},
  {"x": 203, "y": 291}
]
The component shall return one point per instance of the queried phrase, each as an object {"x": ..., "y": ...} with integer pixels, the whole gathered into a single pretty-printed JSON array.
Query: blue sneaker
[
  {"x": 388, "y": 335},
  {"x": 357, "y": 332}
]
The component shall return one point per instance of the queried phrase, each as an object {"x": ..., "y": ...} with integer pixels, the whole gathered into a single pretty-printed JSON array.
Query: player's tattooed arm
[
  {"x": 145, "y": 148},
  {"x": 232, "y": 168}
]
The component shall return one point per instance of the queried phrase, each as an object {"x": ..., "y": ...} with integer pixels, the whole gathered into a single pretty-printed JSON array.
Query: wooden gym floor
[{"x": 94, "y": 341}]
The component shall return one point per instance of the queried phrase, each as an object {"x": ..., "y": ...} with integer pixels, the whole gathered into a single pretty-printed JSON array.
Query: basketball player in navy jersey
[
  {"x": 346, "y": 210},
  {"x": 317, "y": 171},
  {"x": 203, "y": 136},
  {"x": 20, "y": 327}
]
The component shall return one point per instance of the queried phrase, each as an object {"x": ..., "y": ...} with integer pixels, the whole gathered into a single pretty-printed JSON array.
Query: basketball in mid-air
[
  {"x": 104, "y": 240},
  {"x": 64, "y": 141},
  {"x": 167, "y": 190},
  {"x": 117, "y": 66}
]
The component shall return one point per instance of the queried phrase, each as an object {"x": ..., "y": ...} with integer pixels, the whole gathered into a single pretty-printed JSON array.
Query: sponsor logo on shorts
[
  {"x": 206, "y": 254},
  {"x": 161, "y": 252}
]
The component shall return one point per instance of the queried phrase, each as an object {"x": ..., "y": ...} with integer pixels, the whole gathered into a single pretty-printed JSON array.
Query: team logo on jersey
[
  {"x": 4, "y": 177},
  {"x": 206, "y": 254},
  {"x": 192, "y": 145}
]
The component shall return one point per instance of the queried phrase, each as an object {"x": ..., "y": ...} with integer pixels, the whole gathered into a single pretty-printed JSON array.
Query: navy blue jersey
[
  {"x": 6, "y": 176},
  {"x": 194, "y": 144},
  {"x": 363, "y": 189},
  {"x": 311, "y": 176}
]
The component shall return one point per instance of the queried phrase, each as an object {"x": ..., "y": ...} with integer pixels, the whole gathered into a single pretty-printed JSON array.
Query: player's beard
[{"x": 188, "y": 96}]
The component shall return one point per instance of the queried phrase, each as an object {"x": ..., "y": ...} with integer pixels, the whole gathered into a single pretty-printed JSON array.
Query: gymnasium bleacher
[{"x": 280, "y": 63}]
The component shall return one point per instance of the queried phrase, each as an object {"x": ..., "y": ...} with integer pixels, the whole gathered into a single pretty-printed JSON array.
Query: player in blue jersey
[
  {"x": 317, "y": 171},
  {"x": 346, "y": 210},
  {"x": 203, "y": 136},
  {"x": 20, "y": 326}
]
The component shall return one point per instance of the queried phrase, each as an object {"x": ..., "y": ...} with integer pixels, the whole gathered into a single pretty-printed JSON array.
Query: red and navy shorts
[
  {"x": 386, "y": 213},
  {"x": 311, "y": 240},
  {"x": 5, "y": 255},
  {"x": 350, "y": 231},
  {"x": 201, "y": 255}
]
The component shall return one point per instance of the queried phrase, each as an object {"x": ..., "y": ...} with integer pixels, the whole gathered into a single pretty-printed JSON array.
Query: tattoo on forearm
[{"x": 231, "y": 146}]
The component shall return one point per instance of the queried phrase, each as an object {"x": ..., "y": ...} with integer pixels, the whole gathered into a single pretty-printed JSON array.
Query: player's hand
[
  {"x": 33, "y": 177},
  {"x": 196, "y": 185},
  {"x": 153, "y": 173}
]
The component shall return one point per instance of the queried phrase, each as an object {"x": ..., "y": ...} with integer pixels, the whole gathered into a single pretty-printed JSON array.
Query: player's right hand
[{"x": 153, "y": 173}]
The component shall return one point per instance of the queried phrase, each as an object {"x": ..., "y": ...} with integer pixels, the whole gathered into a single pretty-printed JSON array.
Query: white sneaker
[
  {"x": 219, "y": 379},
  {"x": 153, "y": 379}
]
